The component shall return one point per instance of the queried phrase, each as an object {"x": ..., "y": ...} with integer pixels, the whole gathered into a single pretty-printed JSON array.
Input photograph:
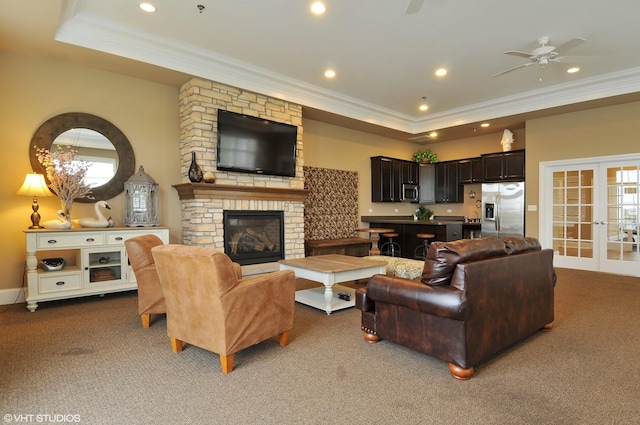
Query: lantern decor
[{"x": 141, "y": 200}]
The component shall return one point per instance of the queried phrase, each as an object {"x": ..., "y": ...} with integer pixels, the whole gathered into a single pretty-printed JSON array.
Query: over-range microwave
[{"x": 410, "y": 192}]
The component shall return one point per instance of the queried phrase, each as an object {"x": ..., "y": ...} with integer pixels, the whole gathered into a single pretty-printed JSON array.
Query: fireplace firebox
[{"x": 254, "y": 237}]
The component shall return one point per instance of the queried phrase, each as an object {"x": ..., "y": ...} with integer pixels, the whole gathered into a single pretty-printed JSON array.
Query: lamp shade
[{"x": 34, "y": 185}]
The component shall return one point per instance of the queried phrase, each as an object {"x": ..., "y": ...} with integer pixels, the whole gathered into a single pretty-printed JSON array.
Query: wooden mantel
[{"x": 218, "y": 191}]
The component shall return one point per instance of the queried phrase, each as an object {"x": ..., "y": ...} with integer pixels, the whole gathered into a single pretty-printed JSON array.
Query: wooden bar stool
[
  {"x": 374, "y": 236},
  {"x": 390, "y": 248},
  {"x": 420, "y": 253}
]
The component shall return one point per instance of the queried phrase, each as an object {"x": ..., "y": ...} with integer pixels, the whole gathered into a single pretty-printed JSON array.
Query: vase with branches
[{"x": 65, "y": 174}]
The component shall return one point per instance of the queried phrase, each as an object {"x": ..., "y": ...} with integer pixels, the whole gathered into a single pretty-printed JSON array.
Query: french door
[{"x": 589, "y": 213}]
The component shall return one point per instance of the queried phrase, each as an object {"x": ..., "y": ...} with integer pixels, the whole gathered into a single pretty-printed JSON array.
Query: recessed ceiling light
[
  {"x": 433, "y": 134},
  {"x": 484, "y": 124},
  {"x": 573, "y": 70},
  {"x": 147, "y": 7},
  {"x": 441, "y": 72},
  {"x": 329, "y": 73},
  {"x": 318, "y": 8},
  {"x": 423, "y": 106}
]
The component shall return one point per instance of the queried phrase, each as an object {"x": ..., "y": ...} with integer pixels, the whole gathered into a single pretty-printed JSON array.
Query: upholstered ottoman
[{"x": 400, "y": 267}]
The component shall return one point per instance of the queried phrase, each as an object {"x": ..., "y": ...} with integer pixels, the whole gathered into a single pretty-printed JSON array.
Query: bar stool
[
  {"x": 390, "y": 248},
  {"x": 420, "y": 253},
  {"x": 374, "y": 236}
]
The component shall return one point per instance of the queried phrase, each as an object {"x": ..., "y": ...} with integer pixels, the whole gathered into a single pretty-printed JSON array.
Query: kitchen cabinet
[
  {"x": 448, "y": 187},
  {"x": 504, "y": 166},
  {"x": 387, "y": 177},
  {"x": 470, "y": 170},
  {"x": 99, "y": 262}
]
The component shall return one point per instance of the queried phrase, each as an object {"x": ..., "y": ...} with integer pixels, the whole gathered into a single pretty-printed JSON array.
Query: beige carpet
[{"x": 90, "y": 357}]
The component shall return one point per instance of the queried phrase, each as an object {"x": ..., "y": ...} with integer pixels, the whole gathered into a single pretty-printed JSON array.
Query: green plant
[
  {"x": 423, "y": 212},
  {"x": 425, "y": 155}
]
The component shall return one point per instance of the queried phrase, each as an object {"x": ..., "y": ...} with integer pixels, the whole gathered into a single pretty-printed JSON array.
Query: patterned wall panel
[{"x": 331, "y": 207}]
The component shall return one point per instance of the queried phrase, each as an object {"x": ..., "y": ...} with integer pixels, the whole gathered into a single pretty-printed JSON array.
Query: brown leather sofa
[{"x": 475, "y": 297}]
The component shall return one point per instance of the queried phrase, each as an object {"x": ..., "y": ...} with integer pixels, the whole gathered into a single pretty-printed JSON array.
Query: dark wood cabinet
[
  {"x": 470, "y": 170},
  {"x": 448, "y": 187},
  {"x": 503, "y": 166},
  {"x": 387, "y": 177}
]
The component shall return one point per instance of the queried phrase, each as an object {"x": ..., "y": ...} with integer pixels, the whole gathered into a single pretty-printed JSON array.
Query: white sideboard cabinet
[{"x": 96, "y": 262}]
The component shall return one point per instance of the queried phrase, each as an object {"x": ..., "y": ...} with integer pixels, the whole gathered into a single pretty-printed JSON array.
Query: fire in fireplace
[{"x": 254, "y": 237}]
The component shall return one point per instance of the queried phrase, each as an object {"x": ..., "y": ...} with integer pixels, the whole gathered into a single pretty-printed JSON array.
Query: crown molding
[{"x": 86, "y": 29}]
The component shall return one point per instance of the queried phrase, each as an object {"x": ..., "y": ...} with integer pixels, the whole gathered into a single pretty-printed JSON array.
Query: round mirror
[{"x": 98, "y": 142}]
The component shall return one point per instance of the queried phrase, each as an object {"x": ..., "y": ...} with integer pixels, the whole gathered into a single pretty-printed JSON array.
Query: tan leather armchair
[
  {"x": 210, "y": 304},
  {"x": 150, "y": 295}
]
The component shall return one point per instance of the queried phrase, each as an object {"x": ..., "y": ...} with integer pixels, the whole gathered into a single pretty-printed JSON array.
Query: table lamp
[{"x": 34, "y": 185}]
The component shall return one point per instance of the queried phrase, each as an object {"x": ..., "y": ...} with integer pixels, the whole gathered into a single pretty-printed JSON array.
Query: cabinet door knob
[
  {"x": 60, "y": 283},
  {"x": 52, "y": 241},
  {"x": 119, "y": 238},
  {"x": 90, "y": 240}
]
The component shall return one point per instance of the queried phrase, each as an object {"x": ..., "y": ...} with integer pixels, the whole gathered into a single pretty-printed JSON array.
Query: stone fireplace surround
[{"x": 203, "y": 204}]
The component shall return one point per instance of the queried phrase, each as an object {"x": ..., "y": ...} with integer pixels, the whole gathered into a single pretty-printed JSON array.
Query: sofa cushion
[
  {"x": 518, "y": 244},
  {"x": 443, "y": 257}
]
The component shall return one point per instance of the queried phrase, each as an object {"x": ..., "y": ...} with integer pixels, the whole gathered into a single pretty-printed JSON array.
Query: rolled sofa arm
[{"x": 444, "y": 301}]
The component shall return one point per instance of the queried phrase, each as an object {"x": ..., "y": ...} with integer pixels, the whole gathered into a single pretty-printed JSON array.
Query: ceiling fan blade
[
  {"x": 520, "y": 54},
  {"x": 569, "y": 45},
  {"x": 513, "y": 69},
  {"x": 414, "y": 6}
]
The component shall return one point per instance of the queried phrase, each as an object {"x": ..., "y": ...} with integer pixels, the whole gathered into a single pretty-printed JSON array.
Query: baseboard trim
[{"x": 11, "y": 296}]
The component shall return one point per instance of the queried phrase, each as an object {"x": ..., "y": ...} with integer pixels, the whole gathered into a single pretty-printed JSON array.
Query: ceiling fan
[
  {"x": 414, "y": 6},
  {"x": 544, "y": 54}
]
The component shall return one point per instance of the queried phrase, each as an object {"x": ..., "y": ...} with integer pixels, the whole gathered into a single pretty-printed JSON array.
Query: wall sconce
[
  {"x": 141, "y": 200},
  {"x": 34, "y": 185}
]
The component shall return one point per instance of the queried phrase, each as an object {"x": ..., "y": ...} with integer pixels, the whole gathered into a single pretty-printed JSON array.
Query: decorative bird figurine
[
  {"x": 60, "y": 223},
  {"x": 100, "y": 221}
]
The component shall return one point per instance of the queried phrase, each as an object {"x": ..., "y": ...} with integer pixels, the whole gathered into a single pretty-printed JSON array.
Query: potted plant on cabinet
[{"x": 425, "y": 156}]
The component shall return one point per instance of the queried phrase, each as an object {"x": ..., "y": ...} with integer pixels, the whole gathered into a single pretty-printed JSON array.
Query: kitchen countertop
[{"x": 438, "y": 221}]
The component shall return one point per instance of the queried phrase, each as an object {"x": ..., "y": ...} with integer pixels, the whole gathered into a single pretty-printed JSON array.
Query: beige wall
[
  {"x": 34, "y": 90},
  {"x": 586, "y": 134}
]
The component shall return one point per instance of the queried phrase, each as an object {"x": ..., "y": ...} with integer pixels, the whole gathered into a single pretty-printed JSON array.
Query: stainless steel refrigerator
[{"x": 502, "y": 209}]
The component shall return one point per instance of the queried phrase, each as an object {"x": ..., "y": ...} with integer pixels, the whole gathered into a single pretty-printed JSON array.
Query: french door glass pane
[
  {"x": 622, "y": 213},
  {"x": 572, "y": 213}
]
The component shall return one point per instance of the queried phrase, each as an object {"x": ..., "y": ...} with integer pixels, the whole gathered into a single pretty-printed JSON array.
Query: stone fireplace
[{"x": 203, "y": 205}]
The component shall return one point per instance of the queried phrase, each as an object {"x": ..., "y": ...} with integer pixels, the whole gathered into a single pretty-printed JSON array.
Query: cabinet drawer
[
  {"x": 118, "y": 238},
  {"x": 70, "y": 240},
  {"x": 59, "y": 282}
]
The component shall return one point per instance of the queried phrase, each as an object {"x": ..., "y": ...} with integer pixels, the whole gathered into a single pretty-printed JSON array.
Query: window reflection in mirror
[{"x": 93, "y": 148}]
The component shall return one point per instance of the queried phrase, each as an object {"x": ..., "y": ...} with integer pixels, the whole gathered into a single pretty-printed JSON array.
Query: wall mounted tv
[{"x": 255, "y": 145}]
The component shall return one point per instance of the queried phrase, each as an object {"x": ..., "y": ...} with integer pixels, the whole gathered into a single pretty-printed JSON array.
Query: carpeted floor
[{"x": 91, "y": 358}]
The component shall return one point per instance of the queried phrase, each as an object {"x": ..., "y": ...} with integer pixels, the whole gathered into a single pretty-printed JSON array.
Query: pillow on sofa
[
  {"x": 443, "y": 257},
  {"x": 518, "y": 244}
]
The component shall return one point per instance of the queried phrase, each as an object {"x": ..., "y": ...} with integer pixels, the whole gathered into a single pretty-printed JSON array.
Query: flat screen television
[{"x": 256, "y": 145}]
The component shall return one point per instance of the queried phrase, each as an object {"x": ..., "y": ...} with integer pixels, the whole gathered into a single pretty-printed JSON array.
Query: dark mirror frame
[{"x": 53, "y": 127}]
